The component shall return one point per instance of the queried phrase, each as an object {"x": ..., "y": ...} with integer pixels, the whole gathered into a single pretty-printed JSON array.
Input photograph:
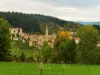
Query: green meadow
[
  {"x": 17, "y": 47},
  {"x": 18, "y": 68},
  {"x": 12, "y": 68}
]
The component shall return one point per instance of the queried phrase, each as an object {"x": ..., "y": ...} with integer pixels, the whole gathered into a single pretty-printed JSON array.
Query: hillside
[{"x": 32, "y": 22}]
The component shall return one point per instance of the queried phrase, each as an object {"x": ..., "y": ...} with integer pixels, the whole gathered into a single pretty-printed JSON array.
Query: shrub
[
  {"x": 30, "y": 59},
  {"x": 22, "y": 57}
]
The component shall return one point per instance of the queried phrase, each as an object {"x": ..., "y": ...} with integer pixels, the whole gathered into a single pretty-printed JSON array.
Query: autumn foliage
[
  {"x": 64, "y": 34},
  {"x": 61, "y": 36}
]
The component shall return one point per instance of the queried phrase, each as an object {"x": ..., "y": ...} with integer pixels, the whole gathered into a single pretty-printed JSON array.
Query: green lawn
[
  {"x": 28, "y": 51},
  {"x": 32, "y": 69}
]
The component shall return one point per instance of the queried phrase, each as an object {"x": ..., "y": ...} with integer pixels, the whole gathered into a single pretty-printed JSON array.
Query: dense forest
[{"x": 33, "y": 22}]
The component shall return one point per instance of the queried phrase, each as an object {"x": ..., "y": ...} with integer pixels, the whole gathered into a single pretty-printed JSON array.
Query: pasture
[{"x": 12, "y": 68}]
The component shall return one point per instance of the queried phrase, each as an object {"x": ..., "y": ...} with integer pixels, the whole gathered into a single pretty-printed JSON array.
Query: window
[{"x": 18, "y": 30}]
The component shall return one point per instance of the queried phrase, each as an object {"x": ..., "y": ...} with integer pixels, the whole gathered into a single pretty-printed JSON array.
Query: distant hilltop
[{"x": 86, "y": 23}]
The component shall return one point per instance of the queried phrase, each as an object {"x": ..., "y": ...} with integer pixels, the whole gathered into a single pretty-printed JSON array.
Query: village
[{"x": 35, "y": 39}]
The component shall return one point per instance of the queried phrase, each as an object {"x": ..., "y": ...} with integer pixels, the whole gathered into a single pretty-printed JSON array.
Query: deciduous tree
[
  {"x": 88, "y": 45},
  {"x": 4, "y": 40}
]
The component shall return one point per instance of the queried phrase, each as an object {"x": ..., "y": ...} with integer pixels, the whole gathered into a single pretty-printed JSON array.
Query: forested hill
[{"x": 32, "y": 22}]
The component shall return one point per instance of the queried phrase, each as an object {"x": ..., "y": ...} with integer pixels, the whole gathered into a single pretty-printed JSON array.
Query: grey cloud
[
  {"x": 83, "y": 10},
  {"x": 72, "y": 3}
]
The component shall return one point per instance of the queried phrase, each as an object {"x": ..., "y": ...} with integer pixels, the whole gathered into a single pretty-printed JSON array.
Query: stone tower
[{"x": 46, "y": 31}]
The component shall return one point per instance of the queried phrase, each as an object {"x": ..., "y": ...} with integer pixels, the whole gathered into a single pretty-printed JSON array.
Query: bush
[
  {"x": 22, "y": 57},
  {"x": 9, "y": 59},
  {"x": 30, "y": 59}
]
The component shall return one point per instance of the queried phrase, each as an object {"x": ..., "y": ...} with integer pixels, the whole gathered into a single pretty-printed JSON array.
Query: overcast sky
[{"x": 73, "y": 10}]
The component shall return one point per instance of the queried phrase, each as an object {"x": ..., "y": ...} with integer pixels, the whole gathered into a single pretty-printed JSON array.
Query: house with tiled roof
[{"x": 15, "y": 33}]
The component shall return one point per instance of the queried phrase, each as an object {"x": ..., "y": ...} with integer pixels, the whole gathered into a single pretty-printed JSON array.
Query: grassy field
[
  {"x": 33, "y": 69},
  {"x": 28, "y": 51}
]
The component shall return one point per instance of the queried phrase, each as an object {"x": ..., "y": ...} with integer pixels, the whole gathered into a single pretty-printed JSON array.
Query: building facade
[{"x": 16, "y": 33}]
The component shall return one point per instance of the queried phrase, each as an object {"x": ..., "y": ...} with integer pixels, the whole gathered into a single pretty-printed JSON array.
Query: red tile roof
[
  {"x": 76, "y": 38},
  {"x": 15, "y": 28}
]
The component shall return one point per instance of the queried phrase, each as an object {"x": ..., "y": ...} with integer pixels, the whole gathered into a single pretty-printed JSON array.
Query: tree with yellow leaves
[
  {"x": 64, "y": 46},
  {"x": 61, "y": 36},
  {"x": 64, "y": 34}
]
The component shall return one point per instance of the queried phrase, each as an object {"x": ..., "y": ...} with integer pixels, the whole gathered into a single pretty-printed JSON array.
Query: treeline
[
  {"x": 31, "y": 22},
  {"x": 97, "y": 27}
]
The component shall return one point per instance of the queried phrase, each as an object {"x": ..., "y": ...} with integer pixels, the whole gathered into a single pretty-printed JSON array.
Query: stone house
[{"x": 15, "y": 33}]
